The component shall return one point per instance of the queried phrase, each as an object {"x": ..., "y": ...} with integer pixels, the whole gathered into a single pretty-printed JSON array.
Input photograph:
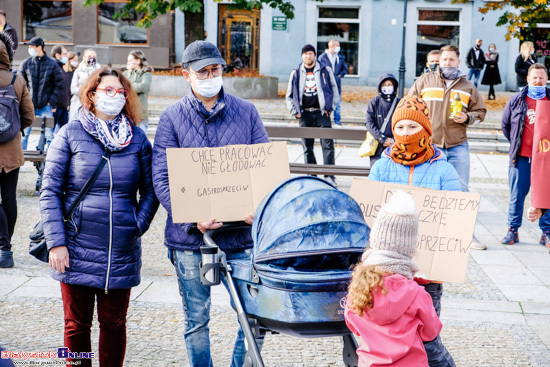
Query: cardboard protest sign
[
  {"x": 446, "y": 225},
  {"x": 223, "y": 183},
  {"x": 540, "y": 164}
]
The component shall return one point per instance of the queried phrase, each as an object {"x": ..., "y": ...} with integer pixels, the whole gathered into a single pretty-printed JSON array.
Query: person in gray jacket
[{"x": 140, "y": 74}]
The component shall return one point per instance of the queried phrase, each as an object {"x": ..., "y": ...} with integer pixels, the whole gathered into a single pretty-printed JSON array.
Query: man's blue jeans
[
  {"x": 44, "y": 111},
  {"x": 459, "y": 157},
  {"x": 475, "y": 73},
  {"x": 196, "y": 309},
  {"x": 520, "y": 184}
]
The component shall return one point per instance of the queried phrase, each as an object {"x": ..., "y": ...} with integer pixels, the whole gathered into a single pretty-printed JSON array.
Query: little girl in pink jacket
[{"x": 385, "y": 307}]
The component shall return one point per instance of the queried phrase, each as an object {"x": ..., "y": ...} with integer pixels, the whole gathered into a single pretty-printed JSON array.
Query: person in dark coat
[
  {"x": 45, "y": 83},
  {"x": 475, "y": 60},
  {"x": 61, "y": 115},
  {"x": 378, "y": 110},
  {"x": 335, "y": 60},
  {"x": 8, "y": 29},
  {"x": 97, "y": 252},
  {"x": 518, "y": 126},
  {"x": 491, "y": 77},
  {"x": 523, "y": 62}
]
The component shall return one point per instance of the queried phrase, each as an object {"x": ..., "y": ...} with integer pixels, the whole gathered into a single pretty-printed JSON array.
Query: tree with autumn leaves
[{"x": 519, "y": 16}]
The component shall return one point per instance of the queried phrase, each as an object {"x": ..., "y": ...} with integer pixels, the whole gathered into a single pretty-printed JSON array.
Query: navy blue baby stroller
[{"x": 307, "y": 235}]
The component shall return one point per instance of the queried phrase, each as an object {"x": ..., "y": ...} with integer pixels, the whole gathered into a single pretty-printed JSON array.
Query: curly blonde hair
[{"x": 364, "y": 280}]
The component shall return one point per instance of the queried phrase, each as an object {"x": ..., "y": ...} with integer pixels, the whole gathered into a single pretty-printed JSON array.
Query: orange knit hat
[{"x": 413, "y": 108}]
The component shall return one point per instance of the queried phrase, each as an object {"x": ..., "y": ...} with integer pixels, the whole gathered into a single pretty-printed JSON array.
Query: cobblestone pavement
[{"x": 500, "y": 316}]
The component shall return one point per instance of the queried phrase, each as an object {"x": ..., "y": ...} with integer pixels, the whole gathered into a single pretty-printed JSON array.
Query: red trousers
[{"x": 78, "y": 307}]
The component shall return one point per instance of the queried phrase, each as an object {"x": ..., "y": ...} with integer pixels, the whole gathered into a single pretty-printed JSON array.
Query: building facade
[
  {"x": 77, "y": 27},
  {"x": 370, "y": 34}
]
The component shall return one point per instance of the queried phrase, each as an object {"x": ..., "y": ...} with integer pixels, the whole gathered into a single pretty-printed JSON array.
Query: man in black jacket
[
  {"x": 8, "y": 29},
  {"x": 475, "y": 61},
  {"x": 61, "y": 115},
  {"x": 45, "y": 83}
]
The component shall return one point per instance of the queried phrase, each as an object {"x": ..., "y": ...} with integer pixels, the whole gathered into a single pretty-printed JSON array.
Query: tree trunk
[{"x": 194, "y": 26}]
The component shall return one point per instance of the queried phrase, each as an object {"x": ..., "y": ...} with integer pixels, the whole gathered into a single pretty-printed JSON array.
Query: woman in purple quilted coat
[{"x": 96, "y": 253}]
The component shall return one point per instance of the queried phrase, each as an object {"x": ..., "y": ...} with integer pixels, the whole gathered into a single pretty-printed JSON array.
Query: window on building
[
  {"x": 435, "y": 28},
  {"x": 342, "y": 24},
  {"x": 50, "y": 20},
  {"x": 123, "y": 30}
]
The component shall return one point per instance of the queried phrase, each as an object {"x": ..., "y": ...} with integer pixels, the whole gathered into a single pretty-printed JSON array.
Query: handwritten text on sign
[
  {"x": 446, "y": 224},
  {"x": 223, "y": 183}
]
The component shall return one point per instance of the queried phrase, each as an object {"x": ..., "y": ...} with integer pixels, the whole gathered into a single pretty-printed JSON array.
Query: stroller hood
[{"x": 307, "y": 219}]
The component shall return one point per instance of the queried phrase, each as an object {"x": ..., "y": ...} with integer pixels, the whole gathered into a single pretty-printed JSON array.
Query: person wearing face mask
[
  {"x": 45, "y": 83},
  {"x": 379, "y": 110},
  {"x": 525, "y": 59},
  {"x": 414, "y": 160},
  {"x": 335, "y": 60},
  {"x": 139, "y": 73},
  {"x": 491, "y": 77},
  {"x": 475, "y": 60},
  {"x": 96, "y": 254},
  {"x": 438, "y": 89},
  {"x": 88, "y": 65},
  {"x": 206, "y": 117},
  {"x": 518, "y": 126},
  {"x": 432, "y": 61},
  {"x": 61, "y": 115},
  {"x": 8, "y": 29},
  {"x": 311, "y": 96}
]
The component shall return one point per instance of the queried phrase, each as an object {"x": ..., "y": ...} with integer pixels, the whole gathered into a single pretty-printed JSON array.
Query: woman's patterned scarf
[
  {"x": 412, "y": 150},
  {"x": 114, "y": 135}
]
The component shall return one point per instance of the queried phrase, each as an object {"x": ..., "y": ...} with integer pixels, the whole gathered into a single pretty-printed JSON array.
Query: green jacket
[{"x": 141, "y": 82}]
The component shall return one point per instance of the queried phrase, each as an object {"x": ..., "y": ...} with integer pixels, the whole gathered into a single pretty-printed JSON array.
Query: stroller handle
[{"x": 207, "y": 237}]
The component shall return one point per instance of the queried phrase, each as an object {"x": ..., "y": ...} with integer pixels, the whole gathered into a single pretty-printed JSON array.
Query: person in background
[
  {"x": 139, "y": 73},
  {"x": 96, "y": 255},
  {"x": 69, "y": 67},
  {"x": 88, "y": 65},
  {"x": 523, "y": 62},
  {"x": 61, "y": 115},
  {"x": 475, "y": 60},
  {"x": 45, "y": 83},
  {"x": 518, "y": 126},
  {"x": 311, "y": 96},
  {"x": 8, "y": 29},
  {"x": 385, "y": 307},
  {"x": 11, "y": 152},
  {"x": 491, "y": 77},
  {"x": 414, "y": 160},
  {"x": 432, "y": 61},
  {"x": 380, "y": 109},
  {"x": 335, "y": 60}
]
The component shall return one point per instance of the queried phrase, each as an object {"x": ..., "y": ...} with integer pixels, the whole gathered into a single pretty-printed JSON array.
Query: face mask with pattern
[{"x": 412, "y": 150}]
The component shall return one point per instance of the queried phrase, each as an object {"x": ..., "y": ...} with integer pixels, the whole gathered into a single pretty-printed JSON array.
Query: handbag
[
  {"x": 38, "y": 247},
  {"x": 369, "y": 146}
]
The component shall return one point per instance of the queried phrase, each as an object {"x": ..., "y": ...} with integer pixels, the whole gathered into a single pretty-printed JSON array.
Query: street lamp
[{"x": 402, "y": 63}]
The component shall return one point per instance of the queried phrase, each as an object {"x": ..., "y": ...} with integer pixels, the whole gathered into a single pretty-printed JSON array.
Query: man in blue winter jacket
[
  {"x": 332, "y": 57},
  {"x": 311, "y": 96},
  {"x": 206, "y": 117}
]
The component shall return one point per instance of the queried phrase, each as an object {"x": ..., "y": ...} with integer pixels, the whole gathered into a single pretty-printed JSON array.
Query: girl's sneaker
[
  {"x": 545, "y": 239},
  {"x": 511, "y": 237}
]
